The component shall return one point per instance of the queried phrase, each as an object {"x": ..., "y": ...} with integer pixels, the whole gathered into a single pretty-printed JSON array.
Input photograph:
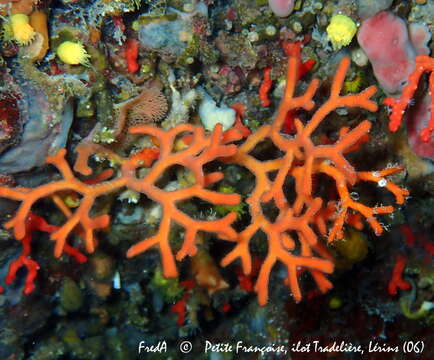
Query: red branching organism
[
  {"x": 424, "y": 64},
  {"x": 32, "y": 223},
  {"x": 397, "y": 282}
]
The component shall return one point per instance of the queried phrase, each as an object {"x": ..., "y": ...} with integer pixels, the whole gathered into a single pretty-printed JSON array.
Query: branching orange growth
[
  {"x": 424, "y": 64},
  {"x": 302, "y": 160},
  {"x": 292, "y": 236},
  {"x": 28, "y": 197},
  {"x": 203, "y": 149}
]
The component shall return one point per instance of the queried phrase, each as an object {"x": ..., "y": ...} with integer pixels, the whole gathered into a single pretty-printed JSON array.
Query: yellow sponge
[{"x": 341, "y": 30}]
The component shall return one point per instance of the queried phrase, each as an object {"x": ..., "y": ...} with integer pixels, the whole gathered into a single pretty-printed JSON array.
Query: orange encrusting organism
[
  {"x": 38, "y": 21},
  {"x": 265, "y": 87}
]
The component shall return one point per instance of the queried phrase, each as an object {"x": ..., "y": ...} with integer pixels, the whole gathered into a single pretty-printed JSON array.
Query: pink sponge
[
  {"x": 281, "y": 8},
  {"x": 417, "y": 120},
  {"x": 420, "y": 37},
  {"x": 385, "y": 40}
]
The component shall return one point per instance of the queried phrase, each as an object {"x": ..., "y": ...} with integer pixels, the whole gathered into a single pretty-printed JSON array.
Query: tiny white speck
[
  {"x": 355, "y": 196},
  {"x": 382, "y": 182},
  {"x": 116, "y": 280}
]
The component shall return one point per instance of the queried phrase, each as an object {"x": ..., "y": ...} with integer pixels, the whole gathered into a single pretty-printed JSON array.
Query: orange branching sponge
[
  {"x": 424, "y": 64},
  {"x": 291, "y": 238}
]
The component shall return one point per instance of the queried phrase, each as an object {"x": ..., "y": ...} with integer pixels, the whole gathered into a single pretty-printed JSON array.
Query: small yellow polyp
[
  {"x": 23, "y": 32},
  {"x": 73, "y": 53},
  {"x": 341, "y": 30}
]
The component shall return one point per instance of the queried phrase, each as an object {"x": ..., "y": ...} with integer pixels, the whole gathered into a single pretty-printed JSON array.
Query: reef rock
[
  {"x": 46, "y": 116},
  {"x": 166, "y": 35}
]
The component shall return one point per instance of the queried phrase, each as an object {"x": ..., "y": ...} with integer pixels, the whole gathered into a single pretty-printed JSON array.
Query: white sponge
[{"x": 210, "y": 114}]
